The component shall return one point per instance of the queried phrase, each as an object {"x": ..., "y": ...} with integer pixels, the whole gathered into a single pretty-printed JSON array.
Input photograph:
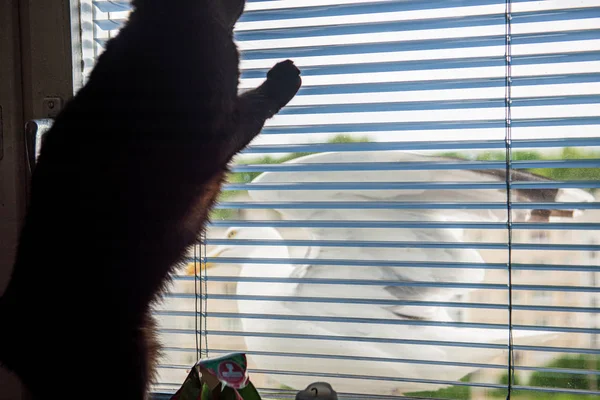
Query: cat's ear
[{"x": 231, "y": 11}]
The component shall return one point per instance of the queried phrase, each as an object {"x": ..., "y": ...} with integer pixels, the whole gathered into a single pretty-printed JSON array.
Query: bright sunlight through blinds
[{"x": 421, "y": 220}]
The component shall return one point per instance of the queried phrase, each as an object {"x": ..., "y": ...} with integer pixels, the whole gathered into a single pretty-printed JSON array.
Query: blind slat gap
[{"x": 508, "y": 175}]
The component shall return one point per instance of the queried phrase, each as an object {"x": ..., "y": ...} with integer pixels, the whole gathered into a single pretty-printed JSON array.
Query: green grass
[
  {"x": 550, "y": 396},
  {"x": 452, "y": 392},
  {"x": 537, "y": 379},
  {"x": 566, "y": 380}
]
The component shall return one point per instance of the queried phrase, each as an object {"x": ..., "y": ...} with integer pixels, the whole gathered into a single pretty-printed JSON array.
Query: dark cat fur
[{"x": 123, "y": 185}]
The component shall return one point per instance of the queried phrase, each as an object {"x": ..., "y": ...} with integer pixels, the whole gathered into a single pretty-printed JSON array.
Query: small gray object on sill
[{"x": 317, "y": 390}]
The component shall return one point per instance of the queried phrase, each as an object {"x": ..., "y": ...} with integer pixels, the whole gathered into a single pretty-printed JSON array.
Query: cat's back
[{"x": 121, "y": 159}]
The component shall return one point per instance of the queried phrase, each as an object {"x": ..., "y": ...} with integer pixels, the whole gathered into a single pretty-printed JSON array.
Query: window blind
[{"x": 421, "y": 220}]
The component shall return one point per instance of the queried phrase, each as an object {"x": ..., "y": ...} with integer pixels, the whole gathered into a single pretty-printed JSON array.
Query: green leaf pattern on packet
[{"x": 191, "y": 388}]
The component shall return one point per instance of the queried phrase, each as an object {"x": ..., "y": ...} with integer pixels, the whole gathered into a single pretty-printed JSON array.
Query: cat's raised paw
[
  {"x": 284, "y": 81},
  {"x": 282, "y": 70}
]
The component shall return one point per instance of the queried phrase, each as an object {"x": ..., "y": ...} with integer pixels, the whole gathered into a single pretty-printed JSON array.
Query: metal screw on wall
[{"x": 52, "y": 106}]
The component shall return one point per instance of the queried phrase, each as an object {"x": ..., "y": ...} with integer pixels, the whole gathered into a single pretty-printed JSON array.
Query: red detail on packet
[{"x": 231, "y": 373}]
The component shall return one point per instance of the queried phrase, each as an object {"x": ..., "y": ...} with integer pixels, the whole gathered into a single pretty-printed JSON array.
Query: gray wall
[{"x": 36, "y": 64}]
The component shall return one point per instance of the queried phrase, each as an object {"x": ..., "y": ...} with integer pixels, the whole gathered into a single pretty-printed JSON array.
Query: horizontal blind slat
[
  {"x": 414, "y": 166},
  {"x": 422, "y": 145},
  {"x": 449, "y": 95},
  {"x": 325, "y": 300},
  {"x": 359, "y": 339},
  {"x": 308, "y": 186},
  {"x": 384, "y": 321},
  {"x": 396, "y": 263},
  {"x": 448, "y": 74},
  {"x": 404, "y": 244},
  {"x": 403, "y": 205},
  {"x": 366, "y": 282},
  {"x": 437, "y": 7},
  {"x": 407, "y": 361},
  {"x": 406, "y": 225}
]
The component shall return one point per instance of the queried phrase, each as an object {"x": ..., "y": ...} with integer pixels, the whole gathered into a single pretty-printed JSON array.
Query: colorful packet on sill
[{"x": 218, "y": 378}]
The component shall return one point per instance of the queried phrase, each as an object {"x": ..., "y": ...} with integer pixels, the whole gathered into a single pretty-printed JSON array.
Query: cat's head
[
  {"x": 227, "y": 12},
  {"x": 230, "y": 11}
]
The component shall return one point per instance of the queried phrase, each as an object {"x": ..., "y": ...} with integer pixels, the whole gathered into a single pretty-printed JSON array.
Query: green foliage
[
  {"x": 286, "y": 387},
  {"x": 456, "y": 392},
  {"x": 561, "y": 379},
  {"x": 557, "y": 174},
  {"x": 226, "y": 393},
  {"x": 348, "y": 139},
  {"x": 453, "y": 154},
  {"x": 528, "y": 395},
  {"x": 504, "y": 381},
  {"x": 247, "y": 177},
  {"x": 567, "y": 380},
  {"x": 537, "y": 379}
]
